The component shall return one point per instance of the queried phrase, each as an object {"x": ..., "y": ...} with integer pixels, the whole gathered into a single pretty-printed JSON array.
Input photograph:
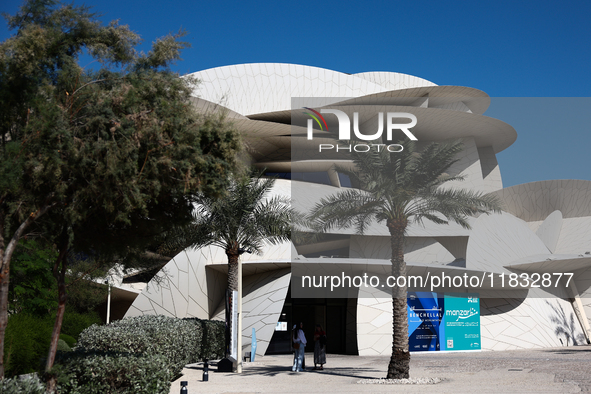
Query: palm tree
[
  {"x": 398, "y": 188},
  {"x": 244, "y": 219}
]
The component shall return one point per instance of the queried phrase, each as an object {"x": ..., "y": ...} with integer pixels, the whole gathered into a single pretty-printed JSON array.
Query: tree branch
[{"x": 18, "y": 233}]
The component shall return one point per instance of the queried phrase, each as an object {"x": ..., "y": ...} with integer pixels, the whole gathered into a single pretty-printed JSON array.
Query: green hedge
[
  {"x": 145, "y": 335},
  {"x": 95, "y": 373},
  {"x": 140, "y": 353},
  {"x": 182, "y": 341},
  {"x": 212, "y": 339}
]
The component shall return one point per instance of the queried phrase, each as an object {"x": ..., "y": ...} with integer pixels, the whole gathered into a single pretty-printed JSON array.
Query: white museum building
[{"x": 545, "y": 227}]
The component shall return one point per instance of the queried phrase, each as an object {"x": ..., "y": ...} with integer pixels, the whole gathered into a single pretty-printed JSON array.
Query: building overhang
[{"x": 550, "y": 263}]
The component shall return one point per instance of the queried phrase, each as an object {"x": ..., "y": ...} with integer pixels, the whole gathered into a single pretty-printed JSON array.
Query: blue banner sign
[
  {"x": 425, "y": 311},
  {"x": 439, "y": 321}
]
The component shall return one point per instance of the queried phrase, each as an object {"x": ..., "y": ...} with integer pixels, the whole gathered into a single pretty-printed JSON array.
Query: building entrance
[{"x": 335, "y": 315}]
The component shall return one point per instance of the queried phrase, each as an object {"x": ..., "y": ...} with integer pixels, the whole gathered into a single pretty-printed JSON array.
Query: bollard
[
  {"x": 205, "y": 371},
  {"x": 184, "y": 389}
]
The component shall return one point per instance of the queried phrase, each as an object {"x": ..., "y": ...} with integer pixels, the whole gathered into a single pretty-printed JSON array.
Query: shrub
[
  {"x": 74, "y": 323},
  {"x": 29, "y": 385},
  {"x": 26, "y": 343},
  {"x": 71, "y": 341},
  {"x": 212, "y": 339},
  {"x": 176, "y": 339},
  {"x": 27, "y": 339},
  {"x": 62, "y": 346},
  {"x": 82, "y": 372},
  {"x": 141, "y": 353},
  {"x": 182, "y": 341}
]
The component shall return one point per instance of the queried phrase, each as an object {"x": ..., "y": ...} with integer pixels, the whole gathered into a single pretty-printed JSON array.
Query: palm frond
[
  {"x": 246, "y": 217},
  {"x": 453, "y": 204},
  {"x": 407, "y": 184},
  {"x": 344, "y": 209}
]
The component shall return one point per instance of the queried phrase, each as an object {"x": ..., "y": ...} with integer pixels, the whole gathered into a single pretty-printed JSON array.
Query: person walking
[
  {"x": 299, "y": 344},
  {"x": 319, "y": 347}
]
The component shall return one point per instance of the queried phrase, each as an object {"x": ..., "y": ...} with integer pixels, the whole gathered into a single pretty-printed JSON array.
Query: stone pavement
[{"x": 557, "y": 370}]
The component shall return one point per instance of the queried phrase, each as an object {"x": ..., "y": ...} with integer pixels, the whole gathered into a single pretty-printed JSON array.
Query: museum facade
[{"x": 288, "y": 116}]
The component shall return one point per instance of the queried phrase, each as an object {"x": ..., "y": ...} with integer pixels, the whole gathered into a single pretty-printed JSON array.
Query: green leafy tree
[
  {"x": 99, "y": 160},
  {"x": 398, "y": 188},
  {"x": 32, "y": 287}
]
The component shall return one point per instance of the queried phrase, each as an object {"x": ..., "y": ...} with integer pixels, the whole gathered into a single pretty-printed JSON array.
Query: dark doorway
[{"x": 330, "y": 313}]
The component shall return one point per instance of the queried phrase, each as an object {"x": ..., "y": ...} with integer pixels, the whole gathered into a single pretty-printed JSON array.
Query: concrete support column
[
  {"x": 333, "y": 175},
  {"x": 580, "y": 311}
]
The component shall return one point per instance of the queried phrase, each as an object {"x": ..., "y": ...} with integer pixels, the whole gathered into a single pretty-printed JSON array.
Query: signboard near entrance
[
  {"x": 439, "y": 321},
  {"x": 425, "y": 311},
  {"x": 461, "y": 322},
  {"x": 234, "y": 327}
]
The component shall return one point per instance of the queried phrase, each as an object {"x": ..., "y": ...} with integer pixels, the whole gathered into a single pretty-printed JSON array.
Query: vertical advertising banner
[
  {"x": 234, "y": 327},
  {"x": 460, "y": 326}
]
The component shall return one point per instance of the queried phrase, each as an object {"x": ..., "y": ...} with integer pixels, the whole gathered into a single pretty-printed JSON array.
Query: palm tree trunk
[
  {"x": 232, "y": 286},
  {"x": 399, "y": 365},
  {"x": 232, "y": 269}
]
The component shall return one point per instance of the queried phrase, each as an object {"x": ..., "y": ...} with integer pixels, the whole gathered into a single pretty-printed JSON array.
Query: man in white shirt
[{"x": 299, "y": 341}]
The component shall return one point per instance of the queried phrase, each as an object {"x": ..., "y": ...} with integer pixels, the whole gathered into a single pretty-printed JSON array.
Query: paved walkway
[{"x": 558, "y": 370}]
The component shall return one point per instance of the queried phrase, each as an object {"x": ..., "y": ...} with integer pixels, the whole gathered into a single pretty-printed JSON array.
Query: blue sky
[{"x": 505, "y": 48}]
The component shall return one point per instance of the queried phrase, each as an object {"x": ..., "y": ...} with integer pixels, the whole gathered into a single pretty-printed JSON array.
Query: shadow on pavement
[
  {"x": 571, "y": 350},
  {"x": 274, "y": 370}
]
